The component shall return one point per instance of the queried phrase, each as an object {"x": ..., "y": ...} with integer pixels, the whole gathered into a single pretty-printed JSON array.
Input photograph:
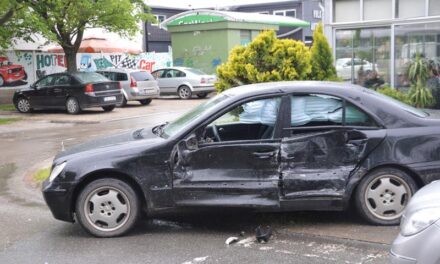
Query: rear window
[
  {"x": 90, "y": 77},
  {"x": 196, "y": 71},
  {"x": 141, "y": 76}
]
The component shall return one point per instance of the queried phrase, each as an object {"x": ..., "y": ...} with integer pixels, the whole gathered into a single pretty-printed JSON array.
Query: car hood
[
  {"x": 118, "y": 141},
  {"x": 12, "y": 66},
  {"x": 427, "y": 197}
]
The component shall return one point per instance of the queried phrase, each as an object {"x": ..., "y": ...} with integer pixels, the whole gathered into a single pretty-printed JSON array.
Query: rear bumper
[
  {"x": 59, "y": 201},
  {"x": 203, "y": 89},
  {"x": 89, "y": 101},
  {"x": 133, "y": 96}
]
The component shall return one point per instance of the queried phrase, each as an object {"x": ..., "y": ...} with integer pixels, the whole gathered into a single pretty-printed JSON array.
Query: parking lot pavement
[
  {"x": 167, "y": 104},
  {"x": 31, "y": 235}
]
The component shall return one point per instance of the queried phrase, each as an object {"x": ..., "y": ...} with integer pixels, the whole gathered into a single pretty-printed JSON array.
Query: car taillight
[
  {"x": 133, "y": 82},
  {"x": 203, "y": 80},
  {"x": 89, "y": 89}
]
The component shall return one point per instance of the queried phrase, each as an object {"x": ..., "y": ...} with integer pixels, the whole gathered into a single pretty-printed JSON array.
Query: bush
[
  {"x": 323, "y": 68},
  {"x": 396, "y": 94},
  {"x": 265, "y": 59},
  {"x": 418, "y": 74}
]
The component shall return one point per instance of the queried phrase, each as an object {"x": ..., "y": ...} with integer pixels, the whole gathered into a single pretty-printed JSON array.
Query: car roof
[
  {"x": 123, "y": 70},
  {"x": 175, "y": 68}
]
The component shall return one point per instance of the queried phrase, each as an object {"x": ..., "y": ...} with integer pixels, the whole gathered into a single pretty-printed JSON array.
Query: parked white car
[
  {"x": 137, "y": 85},
  {"x": 184, "y": 82},
  {"x": 343, "y": 67}
]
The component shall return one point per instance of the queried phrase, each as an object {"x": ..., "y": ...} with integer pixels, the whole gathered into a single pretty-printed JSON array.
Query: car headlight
[
  {"x": 56, "y": 171},
  {"x": 419, "y": 220}
]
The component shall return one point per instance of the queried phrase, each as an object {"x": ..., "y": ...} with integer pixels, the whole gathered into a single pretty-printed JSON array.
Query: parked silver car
[
  {"x": 419, "y": 238},
  {"x": 184, "y": 82},
  {"x": 137, "y": 85}
]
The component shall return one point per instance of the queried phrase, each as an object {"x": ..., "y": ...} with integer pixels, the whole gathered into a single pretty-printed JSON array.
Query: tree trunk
[{"x": 70, "y": 59}]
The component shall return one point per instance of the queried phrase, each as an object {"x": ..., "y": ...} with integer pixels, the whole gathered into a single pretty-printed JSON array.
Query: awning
[{"x": 212, "y": 16}]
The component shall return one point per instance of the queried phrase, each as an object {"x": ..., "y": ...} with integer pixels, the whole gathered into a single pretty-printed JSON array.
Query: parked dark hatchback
[
  {"x": 272, "y": 147},
  {"x": 71, "y": 91}
]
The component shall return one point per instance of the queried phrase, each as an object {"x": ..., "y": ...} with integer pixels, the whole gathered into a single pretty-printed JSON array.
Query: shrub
[
  {"x": 396, "y": 94},
  {"x": 265, "y": 59},
  {"x": 323, "y": 68},
  {"x": 418, "y": 74}
]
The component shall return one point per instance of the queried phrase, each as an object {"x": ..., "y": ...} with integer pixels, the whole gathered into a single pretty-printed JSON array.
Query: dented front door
[
  {"x": 237, "y": 174},
  {"x": 318, "y": 164}
]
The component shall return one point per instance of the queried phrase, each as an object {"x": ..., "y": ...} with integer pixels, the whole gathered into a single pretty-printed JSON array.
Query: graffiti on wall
[{"x": 19, "y": 68}]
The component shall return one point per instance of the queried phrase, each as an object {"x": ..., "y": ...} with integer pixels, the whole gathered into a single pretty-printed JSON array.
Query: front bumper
[
  {"x": 419, "y": 248},
  {"x": 59, "y": 200}
]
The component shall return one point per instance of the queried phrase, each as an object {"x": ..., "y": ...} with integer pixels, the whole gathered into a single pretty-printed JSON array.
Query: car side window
[
  {"x": 324, "y": 110},
  {"x": 157, "y": 74},
  {"x": 45, "y": 82},
  {"x": 121, "y": 76},
  {"x": 62, "y": 80},
  {"x": 254, "y": 120},
  {"x": 179, "y": 74}
]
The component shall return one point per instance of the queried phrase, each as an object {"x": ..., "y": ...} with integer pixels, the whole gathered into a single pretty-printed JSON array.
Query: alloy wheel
[
  {"x": 23, "y": 105},
  {"x": 387, "y": 196},
  {"x": 107, "y": 209},
  {"x": 184, "y": 92}
]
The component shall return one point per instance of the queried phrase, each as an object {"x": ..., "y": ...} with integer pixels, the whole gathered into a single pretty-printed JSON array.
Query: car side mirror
[{"x": 191, "y": 142}]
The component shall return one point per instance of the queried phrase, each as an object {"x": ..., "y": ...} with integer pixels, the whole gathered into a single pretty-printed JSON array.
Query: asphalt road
[{"x": 29, "y": 234}]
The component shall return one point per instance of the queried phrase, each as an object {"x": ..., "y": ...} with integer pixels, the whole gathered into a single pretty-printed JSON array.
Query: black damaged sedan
[{"x": 272, "y": 147}]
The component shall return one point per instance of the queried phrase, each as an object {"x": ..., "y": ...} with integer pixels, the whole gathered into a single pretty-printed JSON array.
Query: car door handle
[{"x": 264, "y": 155}]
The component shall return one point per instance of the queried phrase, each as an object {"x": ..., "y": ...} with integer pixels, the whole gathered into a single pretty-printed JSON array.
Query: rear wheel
[
  {"x": 184, "y": 92},
  {"x": 202, "y": 95},
  {"x": 108, "y": 108},
  {"x": 145, "y": 101},
  {"x": 72, "y": 106},
  {"x": 383, "y": 194},
  {"x": 2, "y": 81},
  {"x": 107, "y": 208},
  {"x": 23, "y": 105}
]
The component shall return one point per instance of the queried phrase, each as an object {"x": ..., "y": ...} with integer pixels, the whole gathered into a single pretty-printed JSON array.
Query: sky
[{"x": 204, "y": 3}]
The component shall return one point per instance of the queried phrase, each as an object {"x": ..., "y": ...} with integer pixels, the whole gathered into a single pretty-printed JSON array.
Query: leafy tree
[
  {"x": 64, "y": 21},
  {"x": 265, "y": 59},
  {"x": 15, "y": 21},
  {"x": 322, "y": 57},
  {"x": 418, "y": 74}
]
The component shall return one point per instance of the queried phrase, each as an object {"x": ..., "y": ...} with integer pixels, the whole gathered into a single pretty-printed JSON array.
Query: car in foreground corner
[
  {"x": 70, "y": 91},
  {"x": 283, "y": 146},
  {"x": 419, "y": 229},
  {"x": 184, "y": 82},
  {"x": 137, "y": 85}
]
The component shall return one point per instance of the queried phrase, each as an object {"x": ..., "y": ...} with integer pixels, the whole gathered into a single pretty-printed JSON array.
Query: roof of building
[{"x": 211, "y": 16}]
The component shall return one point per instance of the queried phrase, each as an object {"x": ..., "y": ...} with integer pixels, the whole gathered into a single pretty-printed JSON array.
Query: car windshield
[
  {"x": 180, "y": 123},
  {"x": 196, "y": 71},
  {"x": 399, "y": 104},
  {"x": 141, "y": 76},
  {"x": 90, "y": 77}
]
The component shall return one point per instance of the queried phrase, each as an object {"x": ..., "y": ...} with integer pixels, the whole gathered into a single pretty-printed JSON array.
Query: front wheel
[
  {"x": 23, "y": 105},
  {"x": 184, "y": 92},
  {"x": 107, "y": 207},
  {"x": 72, "y": 106},
  {"x": 108, "y": 108},
  {"x": 145, "y": 101},
  {"x": 382, "y": 196}
]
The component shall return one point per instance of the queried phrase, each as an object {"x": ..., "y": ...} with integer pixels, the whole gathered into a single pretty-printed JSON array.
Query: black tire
[
  {"x": 123, "y": 103},
  {"x": 72, "y": 106},
  {"x": 108, "y": 108},
  {"x": 145, "y": 101},
  {"x": 25, "y": 76},
  {"x": 2, "y": 81},
  {"x": 23, "y": 105},
  {"x": 202, "y": 95},
  {"x": 387, "y": 190},
  {"x": 184, "y": 92},
  {"x": 123, "y": 207}
]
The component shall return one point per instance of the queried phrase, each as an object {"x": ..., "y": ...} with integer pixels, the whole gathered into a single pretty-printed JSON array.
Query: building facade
[
  {"x": 374, "y": 41},
  {"x": 159, "y": 40}
]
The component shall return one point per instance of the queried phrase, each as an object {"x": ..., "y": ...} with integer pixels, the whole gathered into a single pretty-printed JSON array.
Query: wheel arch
[
  {"x": 108, "y": 173},
  {"x": 185, "y": 84}
]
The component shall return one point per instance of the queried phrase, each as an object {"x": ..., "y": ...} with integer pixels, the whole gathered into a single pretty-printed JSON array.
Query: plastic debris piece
[
  {"x": 263, "y": 234},
  {"x": 231, "y": 240}
]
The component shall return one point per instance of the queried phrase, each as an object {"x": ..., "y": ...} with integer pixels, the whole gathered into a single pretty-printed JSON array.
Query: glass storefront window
[
  {"x": 363, "y": 56},
  {"x": 410, "y": 8},
  {"x": 346, "y": 10},
  {"x": 434, "y": 7},
  {"x": 377, "y": 9},
  {"x": 412, "y": 39}
]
